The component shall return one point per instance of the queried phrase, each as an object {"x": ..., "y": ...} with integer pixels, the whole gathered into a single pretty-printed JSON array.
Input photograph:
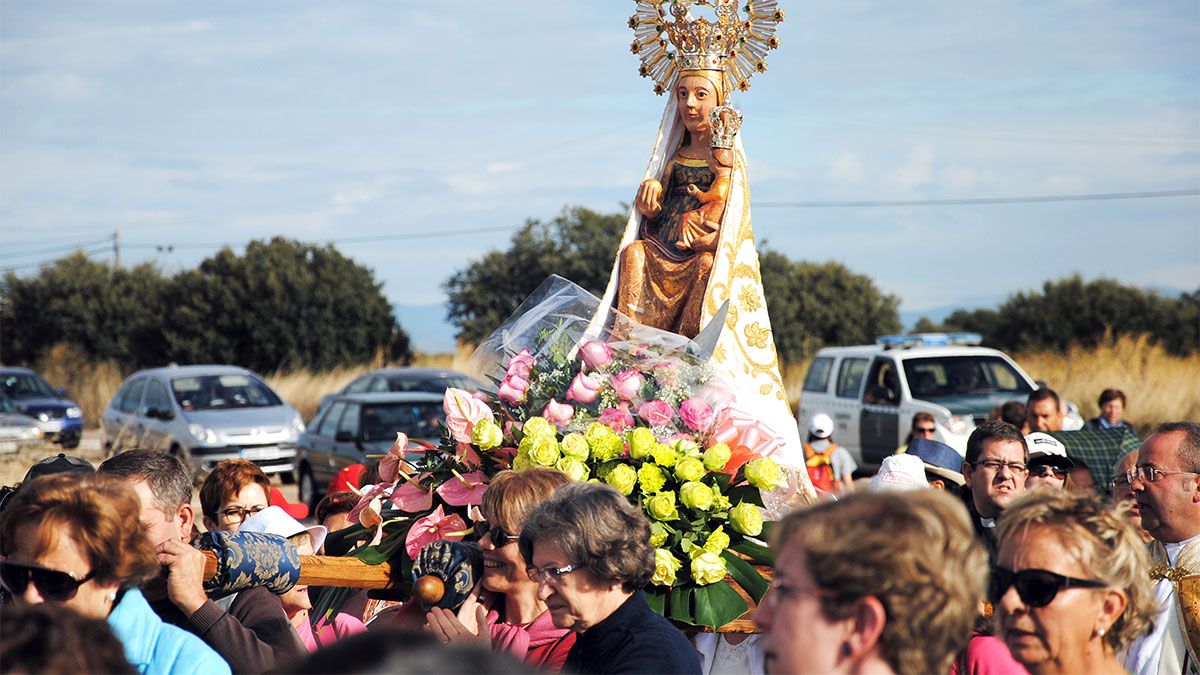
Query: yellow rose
[
  {"x": 764, "y": 474},
  {"x": 652, "y": 478},
  {"x": 623, "y": 478},
  {"x": 663, "y": 455},
  {"x": 708, "y": 568},
  {"x": 689, "y": 468},
  {"x": 487, "y": 435},
  {"x": 685, "y": 448},
  {"x": 696, "y": 496},
  {"x": 665, "y": 567},
  {"x": 538, "y": 426},
  {"x": 717, "y": 541},
  {"x": 716, "y": 457},
  {"x": 543, "y": 450},
  {"x": 747, "y": 519},
  {"x": 574, "y": 446},
  {"x": 573, "y": 468},
  {"x": 641, "y": 442},
  {"x": 662, "y": 506}
]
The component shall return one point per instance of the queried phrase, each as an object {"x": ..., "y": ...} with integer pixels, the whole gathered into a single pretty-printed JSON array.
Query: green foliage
[
  {"x": 813, "y": 305},
  {"x": 281, "y": 304},
  {"x": 1073, "y": 311},
  {"x": 578, "y": 244}
]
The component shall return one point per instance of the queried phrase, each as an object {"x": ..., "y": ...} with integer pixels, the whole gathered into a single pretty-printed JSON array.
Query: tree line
[{"x": 286, "y": 304}]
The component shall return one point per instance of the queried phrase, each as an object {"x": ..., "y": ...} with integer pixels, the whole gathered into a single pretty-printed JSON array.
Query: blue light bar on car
[{"x": 928, "y": 340}]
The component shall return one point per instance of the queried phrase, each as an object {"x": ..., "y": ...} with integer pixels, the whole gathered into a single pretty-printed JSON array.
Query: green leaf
[
  {"x": 759, "y": 554},
  {"x": 680, "y": 604},
  {"x": 718, "y": 604},
  {"x": 746, "y": 576},
  {"x": 745, "y": 493},
  {"x": 657, "y": 601},
  {"x": 384, "y": 550}
]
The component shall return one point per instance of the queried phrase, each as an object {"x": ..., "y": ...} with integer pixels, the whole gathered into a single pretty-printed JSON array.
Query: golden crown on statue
[
  {"x": 725, "y": 123},
  {"x": 730, "y": 43}
]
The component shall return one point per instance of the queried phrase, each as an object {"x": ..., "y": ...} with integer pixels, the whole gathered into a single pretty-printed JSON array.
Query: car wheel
[
  {"x": 70, "y": 440},
  {"x": 307, "y": 490},
  {"x": 287, "y": 477}
]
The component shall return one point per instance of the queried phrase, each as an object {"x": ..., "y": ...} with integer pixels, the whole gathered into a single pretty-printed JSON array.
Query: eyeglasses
[
  {"x": 53, "y": 585},
  {"x": 1150, "y": 474},
  {"x": 500, "y": 538},
  {"x": 924, "y": 430},
  {"x": 1036, "y": 588},
  {"x": 549, "y": 574},
  {"x": 1047, "y": 470},
  {"x": 782, "y": 591},
  {"x": 1122, "y": 480},
  {"x": 996, "y": 465},
  {"x": 237, "y": 514}
]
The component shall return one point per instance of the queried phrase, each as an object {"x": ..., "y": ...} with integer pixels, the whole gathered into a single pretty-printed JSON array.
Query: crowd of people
[{"x": 996, "y": 562}]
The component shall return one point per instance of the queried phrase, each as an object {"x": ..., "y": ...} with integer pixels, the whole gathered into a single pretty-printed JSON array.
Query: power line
[
  {"x": 984, "y": 200},
  {"x": 351, "y": 240},
  {"x": 29, "y": 265},
  {"x": 53, "y": 249}
]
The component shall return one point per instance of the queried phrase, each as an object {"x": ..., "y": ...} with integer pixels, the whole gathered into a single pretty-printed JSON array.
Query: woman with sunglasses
[
  {"x": 1070, "y": 588},
  {"x": 519, "y": 624},
  {"x": 77, "y": 541}
]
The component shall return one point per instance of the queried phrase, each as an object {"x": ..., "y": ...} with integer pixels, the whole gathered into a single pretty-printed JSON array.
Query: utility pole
[{"x": 116, "y": 248}]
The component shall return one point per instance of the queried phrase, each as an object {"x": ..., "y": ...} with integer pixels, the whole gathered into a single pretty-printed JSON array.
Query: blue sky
[{"x": 196, "y": 124}]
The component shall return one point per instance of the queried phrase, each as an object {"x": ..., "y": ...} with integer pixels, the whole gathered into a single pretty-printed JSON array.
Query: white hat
[
  {"x": 1044, "y": 446},
  {"x": 274, "y": 520},
  {"x": 821, "y": 425},
  {"x": 899, "y": 473}
]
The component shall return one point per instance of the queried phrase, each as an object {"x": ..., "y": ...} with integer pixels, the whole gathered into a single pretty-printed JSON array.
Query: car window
[
  {"x": 358, "y": 386},
  {"x": 156, "y": 397},
  {"x": 214, "y": 392},
  {"x": 378, "y": 384},
  {"x": 818, "y": 374},
  {"x": 349, "y": 420},
  {"x": 432, "y": 385},
  {"x": 131, "y": 400},
  {"x": 329, "y": 424},
  {"x": 883, "y": 383},
  {"x": 381, "y": 422},
  {"x": 934, "y": 377},
  {"x": 850, "y": 377},
  {"x": 24, "y": 385}
]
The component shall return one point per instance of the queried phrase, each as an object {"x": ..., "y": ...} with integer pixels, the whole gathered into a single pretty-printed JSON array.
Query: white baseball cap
[
  {"x": 821, "y": 425},
  {"x": 274, "y": 520},
  {"x": 899, "y": 473},
  {"x": 1043, "y": 446}
]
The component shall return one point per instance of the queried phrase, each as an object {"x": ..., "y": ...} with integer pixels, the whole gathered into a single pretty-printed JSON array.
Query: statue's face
[{"x": 696, "y": 97}]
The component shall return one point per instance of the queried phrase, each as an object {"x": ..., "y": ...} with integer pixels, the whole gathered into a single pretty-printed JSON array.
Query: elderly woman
[
  {"x": 589, "y": 552},
  {"x": 520, "y": 625},
  {"x": 235, "y": 490},
  {"x": 880, "y": 582},
  {"x": 1070, "y": 588},
  {"x": 76, "y": 540}
]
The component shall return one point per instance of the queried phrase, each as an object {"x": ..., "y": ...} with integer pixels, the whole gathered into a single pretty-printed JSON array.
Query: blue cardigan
[
  {"x": 157, "y": 648},
  {"x": 633, "y": 639}
]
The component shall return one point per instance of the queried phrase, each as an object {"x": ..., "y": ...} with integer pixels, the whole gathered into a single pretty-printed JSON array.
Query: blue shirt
[{"x": 157, "y": 648}]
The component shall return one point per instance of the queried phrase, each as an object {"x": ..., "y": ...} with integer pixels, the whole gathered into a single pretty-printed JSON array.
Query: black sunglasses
[
  {"x": 53, "y": 585},
  {"x": 499, "y": 536},
  {"x": 1036, "y": 588}
]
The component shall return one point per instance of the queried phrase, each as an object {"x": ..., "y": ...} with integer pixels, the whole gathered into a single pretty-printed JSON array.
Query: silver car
[
  {"x": 204, "y": 415},
  {"x": 17, "y": 431}
]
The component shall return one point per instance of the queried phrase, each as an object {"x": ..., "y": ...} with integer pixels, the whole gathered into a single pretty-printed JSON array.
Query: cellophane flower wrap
[{"x": 603, "y": 399}]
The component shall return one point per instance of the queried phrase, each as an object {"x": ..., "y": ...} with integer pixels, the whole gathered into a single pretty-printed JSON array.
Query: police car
[{"x": 873, "y": 391}]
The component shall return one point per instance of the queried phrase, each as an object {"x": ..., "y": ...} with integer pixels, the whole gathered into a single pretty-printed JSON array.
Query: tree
[
  {"x": 283, "y": 304},
  {"x": 813, "y": 305},
  {"x": 1073, "y": 311},
  {"x": 578, "y": 244}
]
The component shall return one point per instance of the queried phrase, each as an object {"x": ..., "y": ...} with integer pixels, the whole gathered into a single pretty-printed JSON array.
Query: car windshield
[
  {"x": 962, "y": 375},
  {"x": 23, "y": 385},
  {"x": 381, "y": 421},
  {"x": 433, "y": 385},
  {"x": 6, "y": 406},
  {"x": 211, "y": 392}
]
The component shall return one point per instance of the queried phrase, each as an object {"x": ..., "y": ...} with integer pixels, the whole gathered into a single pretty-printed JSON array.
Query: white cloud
[
  {"x": 502, "y": 167},
  {"x": 847, "y": 168},
  {"x": 916, "y": 172}
]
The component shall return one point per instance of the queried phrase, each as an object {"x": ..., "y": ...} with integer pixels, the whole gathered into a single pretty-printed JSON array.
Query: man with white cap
[
  {"x": 296, "y": 602},
  {"x": 900, "y": 473},
  {"x": 830, "y": 466},
  {"x": 1048, "y": 461}
]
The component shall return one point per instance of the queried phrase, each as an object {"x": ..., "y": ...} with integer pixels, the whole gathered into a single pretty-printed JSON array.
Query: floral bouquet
[{"x": 600, "y": 399}]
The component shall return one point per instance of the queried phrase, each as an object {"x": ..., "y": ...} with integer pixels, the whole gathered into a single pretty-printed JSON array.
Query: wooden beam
[{"x": 324, "y": 570}]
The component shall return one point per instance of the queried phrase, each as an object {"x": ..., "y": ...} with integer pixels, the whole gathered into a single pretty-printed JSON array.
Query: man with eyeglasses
[
  {"x": 994, "y": 469},
  {"x": 248, "y": 629},
  {"x": 1166, "y": 486},
  {"x": 1122, "y": 491}
]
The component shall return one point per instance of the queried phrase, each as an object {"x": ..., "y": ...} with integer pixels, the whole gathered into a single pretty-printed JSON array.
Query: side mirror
[
  {"x": 163, "y": 414},
  {"x": 343, "y": 436}
]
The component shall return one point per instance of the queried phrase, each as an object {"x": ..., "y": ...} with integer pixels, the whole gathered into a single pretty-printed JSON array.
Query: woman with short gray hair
[{"x": 589, "y": 552}]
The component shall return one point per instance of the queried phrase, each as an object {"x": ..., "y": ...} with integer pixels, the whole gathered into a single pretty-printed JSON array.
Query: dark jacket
[
  {"x": 633, "y": 639},
  {"x": 985, "y": 535},
  {"x": 254, "y": 635}
]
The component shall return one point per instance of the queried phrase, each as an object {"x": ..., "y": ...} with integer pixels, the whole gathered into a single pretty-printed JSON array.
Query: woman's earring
[
  {"x": 1101, "y": 632},
  {"x": 112, "y": 596}
]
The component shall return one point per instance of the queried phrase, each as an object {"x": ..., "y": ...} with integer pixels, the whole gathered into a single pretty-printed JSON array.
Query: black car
[{"x": 348, "y": 427}]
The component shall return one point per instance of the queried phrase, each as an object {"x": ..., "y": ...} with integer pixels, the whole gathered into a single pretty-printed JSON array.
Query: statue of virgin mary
[{"x": 688, "y": 247}]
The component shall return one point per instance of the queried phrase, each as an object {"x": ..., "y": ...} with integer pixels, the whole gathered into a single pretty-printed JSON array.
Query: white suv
[{"x": 872, "y": 391}]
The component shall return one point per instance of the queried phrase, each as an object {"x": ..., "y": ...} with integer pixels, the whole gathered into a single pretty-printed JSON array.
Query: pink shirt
[{"x": 343, "y": 625}]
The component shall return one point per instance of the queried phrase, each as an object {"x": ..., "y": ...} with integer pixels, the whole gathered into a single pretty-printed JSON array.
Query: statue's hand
[
  {"x": 694, "y": 191},
  {"x": 649, "y": 198}
]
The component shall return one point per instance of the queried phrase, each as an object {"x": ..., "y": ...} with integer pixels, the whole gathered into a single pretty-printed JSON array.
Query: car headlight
[
  {"x": 32, "y": 433},
  {"x": 202, "y": 433},
  {"x": 74, "y": 412},
  {"x": 298, "y": 425},
  {"x": 43, "y": 417},
  {"x": 960, "y": 424}
]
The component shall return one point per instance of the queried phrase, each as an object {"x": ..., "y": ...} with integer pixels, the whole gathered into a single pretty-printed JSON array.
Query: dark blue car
[{"x": 59, "y": 418}]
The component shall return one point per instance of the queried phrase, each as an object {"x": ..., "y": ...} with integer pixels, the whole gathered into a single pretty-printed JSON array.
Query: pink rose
[
  {"x": 696, "y": 414},
  {"x": 558, "y": 413},
  {"x": 512, "y": 389},
  {"x": 595, "y": 354},
  {"x": 656, "y": 413},
  {"x": 628, "y": 383},
  {"x": 666, "y": 374},
  {"x": 463, "y": 412},
  {"x": 617, "y": 419},
  {"x": 521, "y": 364},
  {"x": 584, "y": 388}
]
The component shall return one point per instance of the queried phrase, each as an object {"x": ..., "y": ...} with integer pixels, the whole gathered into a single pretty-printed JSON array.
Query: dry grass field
[{"x": 1160, "y": 386}]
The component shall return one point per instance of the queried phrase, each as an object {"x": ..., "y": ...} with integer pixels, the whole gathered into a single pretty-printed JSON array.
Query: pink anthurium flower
[
  {"x": 464, "y": 489},
  {"x": 463, "y": 412},
  {"x": 558, "y": 413},
  {"x": 584, "y": 389},
  {"x": 413, "y": 497},
  {"x": 433, "y": 527},
  {"x": 467, "y": 456},
  {"x": 389, "y": 464}
]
